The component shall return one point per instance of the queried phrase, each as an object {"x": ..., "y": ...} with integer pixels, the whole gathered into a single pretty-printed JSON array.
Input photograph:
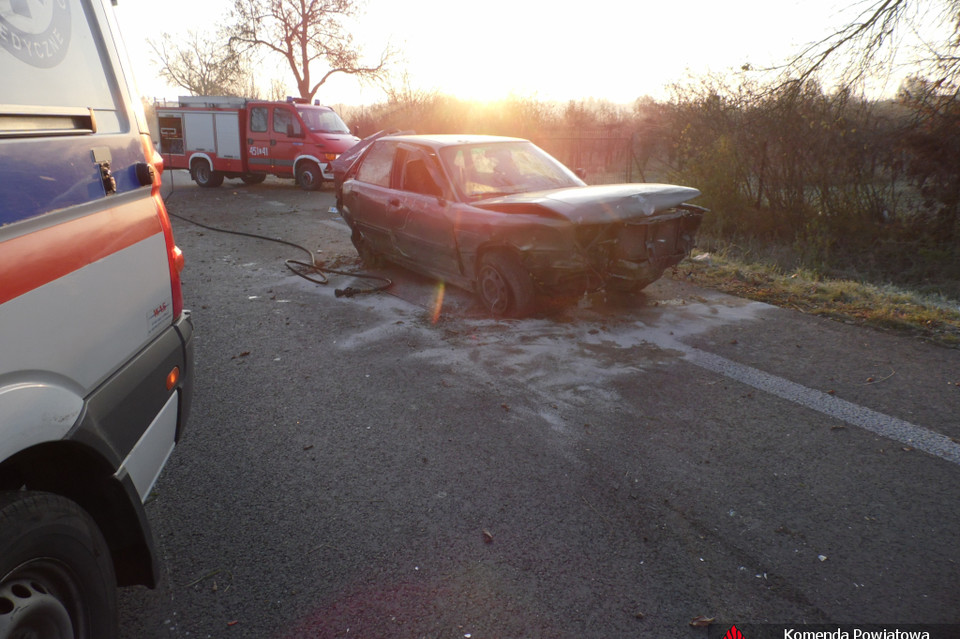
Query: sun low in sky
[{"x": 617, "y": 50}]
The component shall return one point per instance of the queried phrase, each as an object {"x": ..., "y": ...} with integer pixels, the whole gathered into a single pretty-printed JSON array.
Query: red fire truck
[{"x": 219, "y": 137}]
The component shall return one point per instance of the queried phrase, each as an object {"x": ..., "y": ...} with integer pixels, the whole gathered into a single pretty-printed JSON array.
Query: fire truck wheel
[
  {"x": 204, "y": 176},
  {"x": 56, "y": 575},
  {"x": 308, "y": 176}
]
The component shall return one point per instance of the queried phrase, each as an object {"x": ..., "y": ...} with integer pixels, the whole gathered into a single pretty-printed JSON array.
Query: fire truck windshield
[{"x": 322, "y": 120}]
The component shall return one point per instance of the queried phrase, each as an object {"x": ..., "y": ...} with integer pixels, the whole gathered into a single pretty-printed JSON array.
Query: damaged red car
[{"x": 501, "y": 217}]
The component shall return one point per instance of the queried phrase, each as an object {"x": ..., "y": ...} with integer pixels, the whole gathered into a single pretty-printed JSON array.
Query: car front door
[{"x": 418, "y": 213}]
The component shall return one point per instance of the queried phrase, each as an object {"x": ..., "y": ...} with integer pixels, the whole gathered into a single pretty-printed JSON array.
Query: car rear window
[
  {"x": 54, "y": 62},
  {"x": 377, "y": 165}
]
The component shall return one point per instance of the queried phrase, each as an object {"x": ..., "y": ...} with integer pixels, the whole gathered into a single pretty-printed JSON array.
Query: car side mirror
[{"x": 293, "y": 133}]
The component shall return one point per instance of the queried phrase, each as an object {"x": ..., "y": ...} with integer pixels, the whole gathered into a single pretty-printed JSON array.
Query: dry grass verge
[{"x": 933, "y": 319}]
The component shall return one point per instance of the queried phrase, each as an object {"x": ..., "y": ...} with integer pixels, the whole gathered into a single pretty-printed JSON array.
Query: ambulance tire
[
  {"x": 56, "y": 574},
  {"x": 309, "y": 176},
  {"x": 204, "y": 176}
]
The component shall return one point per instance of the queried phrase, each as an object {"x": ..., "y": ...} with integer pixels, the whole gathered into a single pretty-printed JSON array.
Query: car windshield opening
[{"x": 486, "y": 170}]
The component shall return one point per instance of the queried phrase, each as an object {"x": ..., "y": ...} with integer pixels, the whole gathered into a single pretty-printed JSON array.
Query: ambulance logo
[{"x": 35, "y": 31}]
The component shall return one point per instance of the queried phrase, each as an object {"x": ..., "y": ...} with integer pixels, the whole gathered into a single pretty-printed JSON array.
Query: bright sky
[{"x": 613, "y": 49}]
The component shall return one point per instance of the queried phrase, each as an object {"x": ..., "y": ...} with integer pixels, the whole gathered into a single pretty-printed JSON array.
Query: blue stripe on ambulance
[{"x": 39, "y": 177}]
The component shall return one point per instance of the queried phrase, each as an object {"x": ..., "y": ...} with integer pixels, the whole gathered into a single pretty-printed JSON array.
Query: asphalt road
[{"x": 399, "y": 465}]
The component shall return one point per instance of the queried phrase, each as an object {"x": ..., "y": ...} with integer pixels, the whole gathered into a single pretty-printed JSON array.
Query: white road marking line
[{"x": 853, "y": 414}]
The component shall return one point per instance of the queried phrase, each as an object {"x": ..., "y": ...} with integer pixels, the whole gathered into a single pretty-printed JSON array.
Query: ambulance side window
[
  {"x": 258, "y": 119},
  {"x": 52, "y": 57}
]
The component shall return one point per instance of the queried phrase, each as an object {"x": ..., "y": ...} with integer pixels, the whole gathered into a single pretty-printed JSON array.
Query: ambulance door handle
[
  {"x": 273, "y": 143},
  {"x": 106, "y": 176},
  {"x": 101, "y": 156}
]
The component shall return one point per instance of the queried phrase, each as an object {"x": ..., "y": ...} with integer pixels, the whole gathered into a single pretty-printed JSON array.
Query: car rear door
[{"x": 367, "y": 197}]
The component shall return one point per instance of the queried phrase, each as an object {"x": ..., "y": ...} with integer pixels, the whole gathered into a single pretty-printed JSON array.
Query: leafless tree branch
[
  {"x": 307, "y": 34},
  {"x": 202, "y": 65}
]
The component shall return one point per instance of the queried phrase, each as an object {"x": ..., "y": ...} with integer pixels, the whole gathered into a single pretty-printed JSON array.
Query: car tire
[
  {"x": 253, "y": 178},
  {"x": 56, "y": 574},
  {"x": 369, "y": 257},
  {"x": 309, "y": 176},
  {"x": 204, "y": 176},
  {"x": 504, "y": 286}
]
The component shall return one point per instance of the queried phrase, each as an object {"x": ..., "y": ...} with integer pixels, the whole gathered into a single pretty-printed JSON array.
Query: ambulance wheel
[
  {"x": 204, "y": 176},
  {"x": 253, "y": 178},
  {"x": 308, "y": 176},
  {"x": 56, "y": 575}
]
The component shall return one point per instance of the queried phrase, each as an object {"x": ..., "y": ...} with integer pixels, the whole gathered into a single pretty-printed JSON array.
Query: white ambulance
[{"x": 96, "y": 367}]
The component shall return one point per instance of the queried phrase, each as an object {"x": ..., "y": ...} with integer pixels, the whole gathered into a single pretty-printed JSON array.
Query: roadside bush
[{"x": 851, "y": 185}]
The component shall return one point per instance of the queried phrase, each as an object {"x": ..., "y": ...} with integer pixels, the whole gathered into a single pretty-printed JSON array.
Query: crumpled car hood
[{"x": 594, "y": 204}]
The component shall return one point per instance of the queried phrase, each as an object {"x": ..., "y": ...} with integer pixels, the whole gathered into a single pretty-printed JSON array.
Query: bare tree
[
  {"x": 203, "y": 65},
  {"x": 875, "y": 37},
  {"x": 308, "y": 34}
]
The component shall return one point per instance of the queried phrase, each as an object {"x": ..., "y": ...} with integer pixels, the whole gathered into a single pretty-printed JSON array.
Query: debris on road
[{"x": 702, "y": 621}]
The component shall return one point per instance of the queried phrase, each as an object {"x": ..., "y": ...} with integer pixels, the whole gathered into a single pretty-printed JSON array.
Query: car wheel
[
  {"x": 56, "y": 575},
  {"x": 368, "y": 255},
  {"x": 504, "y": 286},
  {"x": 204, "y": 176},
  {"x": 253, "y": 178},
  {"x": 308, "y": 176}
]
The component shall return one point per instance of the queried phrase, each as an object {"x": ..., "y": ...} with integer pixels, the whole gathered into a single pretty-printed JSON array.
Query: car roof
[{"x": 451, "y": 139}]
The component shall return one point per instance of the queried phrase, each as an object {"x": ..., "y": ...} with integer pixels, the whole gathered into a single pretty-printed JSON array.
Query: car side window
[
  {"x": 417, "y": 178},
  {"x": 377, "y": 165},
  {"x": 258, "y": 119}
]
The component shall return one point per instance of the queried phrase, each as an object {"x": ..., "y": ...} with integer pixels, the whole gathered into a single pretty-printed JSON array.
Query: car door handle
[{"x": 394, "y": 202}]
